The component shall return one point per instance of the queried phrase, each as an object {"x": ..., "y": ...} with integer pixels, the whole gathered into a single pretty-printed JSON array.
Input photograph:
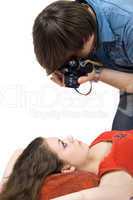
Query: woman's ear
[{"x": 68, "y": 168}]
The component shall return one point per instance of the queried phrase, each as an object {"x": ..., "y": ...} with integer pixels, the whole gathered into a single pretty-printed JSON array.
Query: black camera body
[{"x": 73, "y": 69}]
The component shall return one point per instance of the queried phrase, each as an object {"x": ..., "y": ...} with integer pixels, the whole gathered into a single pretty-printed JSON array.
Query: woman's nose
[{"x": 70, "y": 138}]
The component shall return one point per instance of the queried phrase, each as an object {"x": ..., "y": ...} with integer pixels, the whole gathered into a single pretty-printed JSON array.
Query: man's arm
[
  {"x": 117, "y": 79},
  {"x": 120, "y": 80}
]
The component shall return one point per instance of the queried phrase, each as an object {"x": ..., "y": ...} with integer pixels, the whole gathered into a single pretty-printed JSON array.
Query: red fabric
[
  {"x": 62, "y": 184},
  {"x": 121, "y": 154}
]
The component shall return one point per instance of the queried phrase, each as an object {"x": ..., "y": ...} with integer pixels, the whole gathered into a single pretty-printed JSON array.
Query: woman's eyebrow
[{"x": 59, "y": 142}]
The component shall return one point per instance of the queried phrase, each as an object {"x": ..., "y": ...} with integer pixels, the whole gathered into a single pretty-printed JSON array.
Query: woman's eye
[{"x": 64, "y": 144}]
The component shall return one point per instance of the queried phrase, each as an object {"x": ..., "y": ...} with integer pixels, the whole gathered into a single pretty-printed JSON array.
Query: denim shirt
[{"x": 115, "y": 33}]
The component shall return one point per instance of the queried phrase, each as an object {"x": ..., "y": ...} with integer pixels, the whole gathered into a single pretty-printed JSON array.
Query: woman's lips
[{"x": 79, "y": 142}]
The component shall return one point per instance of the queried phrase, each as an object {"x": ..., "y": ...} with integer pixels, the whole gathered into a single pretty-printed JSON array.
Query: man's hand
[
  {"x": 88, "y": 77},
  {"x": 58, "y": 78}
]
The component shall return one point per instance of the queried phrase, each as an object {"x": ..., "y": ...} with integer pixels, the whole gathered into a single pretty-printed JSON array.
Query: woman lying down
[{"x": 109, "y": 156}]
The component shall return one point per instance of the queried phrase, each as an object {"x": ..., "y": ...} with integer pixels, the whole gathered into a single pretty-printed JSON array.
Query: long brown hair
[
  {"x": 59, "y": 31},
  {"x": 35, "y": 163}
]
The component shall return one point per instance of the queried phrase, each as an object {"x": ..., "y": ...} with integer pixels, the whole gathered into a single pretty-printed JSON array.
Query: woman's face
[{"x": 70, "y": 150}]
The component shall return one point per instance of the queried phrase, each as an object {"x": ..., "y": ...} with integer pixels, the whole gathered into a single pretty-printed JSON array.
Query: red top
[{"x": 121, "y": 154}]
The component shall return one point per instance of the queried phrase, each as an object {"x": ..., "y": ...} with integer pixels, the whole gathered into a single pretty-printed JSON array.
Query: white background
[{"x": 30, "y": 104}]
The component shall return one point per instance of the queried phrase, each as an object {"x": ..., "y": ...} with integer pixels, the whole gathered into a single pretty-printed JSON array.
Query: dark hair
[
  {"x": 58, "y": 31},
  {"x": 30, "y": 170}
]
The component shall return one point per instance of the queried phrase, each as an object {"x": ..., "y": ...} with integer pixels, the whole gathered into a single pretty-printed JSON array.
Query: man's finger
[
  {"x": 56, "y": 81},
  {"x": 83, "y": 79}
]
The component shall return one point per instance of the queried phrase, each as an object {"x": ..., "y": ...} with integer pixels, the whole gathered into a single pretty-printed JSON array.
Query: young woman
[{"x": 110, "y": 156}]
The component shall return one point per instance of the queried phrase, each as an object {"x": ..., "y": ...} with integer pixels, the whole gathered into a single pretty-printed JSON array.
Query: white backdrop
[{"x": 30, "y": 104}]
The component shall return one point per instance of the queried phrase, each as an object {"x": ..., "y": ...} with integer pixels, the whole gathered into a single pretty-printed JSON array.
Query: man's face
[{"x": 87, "y": 48}]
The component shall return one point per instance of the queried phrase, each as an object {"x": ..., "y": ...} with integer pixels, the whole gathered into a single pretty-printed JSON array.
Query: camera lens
[
  {"x": 71, "y": 81},
  {"x": 73, "y": 63}
]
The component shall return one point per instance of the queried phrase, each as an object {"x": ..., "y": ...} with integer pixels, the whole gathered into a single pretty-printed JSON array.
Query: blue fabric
[
  {"x": 123, "y": 119},
  {"x": 115, "y": 33}
]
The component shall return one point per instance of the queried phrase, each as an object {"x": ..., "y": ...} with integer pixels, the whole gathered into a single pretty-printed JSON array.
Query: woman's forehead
[{"x": 52, "y": 141}]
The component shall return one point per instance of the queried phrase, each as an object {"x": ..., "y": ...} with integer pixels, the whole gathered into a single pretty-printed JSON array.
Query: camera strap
[
  {"x": 85, "y": 94},
  {"x": 94, "y": 63}
]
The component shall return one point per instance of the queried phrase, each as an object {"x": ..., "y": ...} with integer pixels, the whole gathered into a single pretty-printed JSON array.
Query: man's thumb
[{"x": 83, "y": 79}]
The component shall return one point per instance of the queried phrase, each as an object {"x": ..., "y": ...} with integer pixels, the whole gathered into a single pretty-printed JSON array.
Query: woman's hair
[
  {"x": 58, "y": 31},
  {"x": 30, "y": 170}
]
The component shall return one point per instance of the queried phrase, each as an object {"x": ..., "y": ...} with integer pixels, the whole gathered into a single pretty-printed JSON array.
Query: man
[{"x": 101, "y": 30}]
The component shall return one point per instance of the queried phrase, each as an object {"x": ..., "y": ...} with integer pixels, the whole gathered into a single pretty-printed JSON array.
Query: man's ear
[{"x": 68, "y": 168}]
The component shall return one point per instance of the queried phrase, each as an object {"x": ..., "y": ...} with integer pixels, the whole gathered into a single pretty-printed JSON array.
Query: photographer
[{"x": 96, "y": 29}]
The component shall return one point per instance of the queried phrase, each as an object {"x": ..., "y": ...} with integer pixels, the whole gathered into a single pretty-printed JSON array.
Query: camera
[{"x": 73, "y": 69}]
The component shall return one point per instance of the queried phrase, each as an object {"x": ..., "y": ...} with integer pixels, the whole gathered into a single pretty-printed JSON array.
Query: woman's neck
[
  {"x": 96, "y": 155},
  {"x": 91, "y": 162}
]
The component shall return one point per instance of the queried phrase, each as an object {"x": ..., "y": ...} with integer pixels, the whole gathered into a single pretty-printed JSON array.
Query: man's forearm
[{"x": 120, "y": 80}]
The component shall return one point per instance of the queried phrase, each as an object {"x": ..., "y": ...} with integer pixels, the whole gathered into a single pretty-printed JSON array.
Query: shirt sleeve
[{"x": 128, "y": 40}]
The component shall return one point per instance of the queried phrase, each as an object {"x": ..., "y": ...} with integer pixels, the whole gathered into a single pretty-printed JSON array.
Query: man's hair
[{"x": 58, "y": 32}]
